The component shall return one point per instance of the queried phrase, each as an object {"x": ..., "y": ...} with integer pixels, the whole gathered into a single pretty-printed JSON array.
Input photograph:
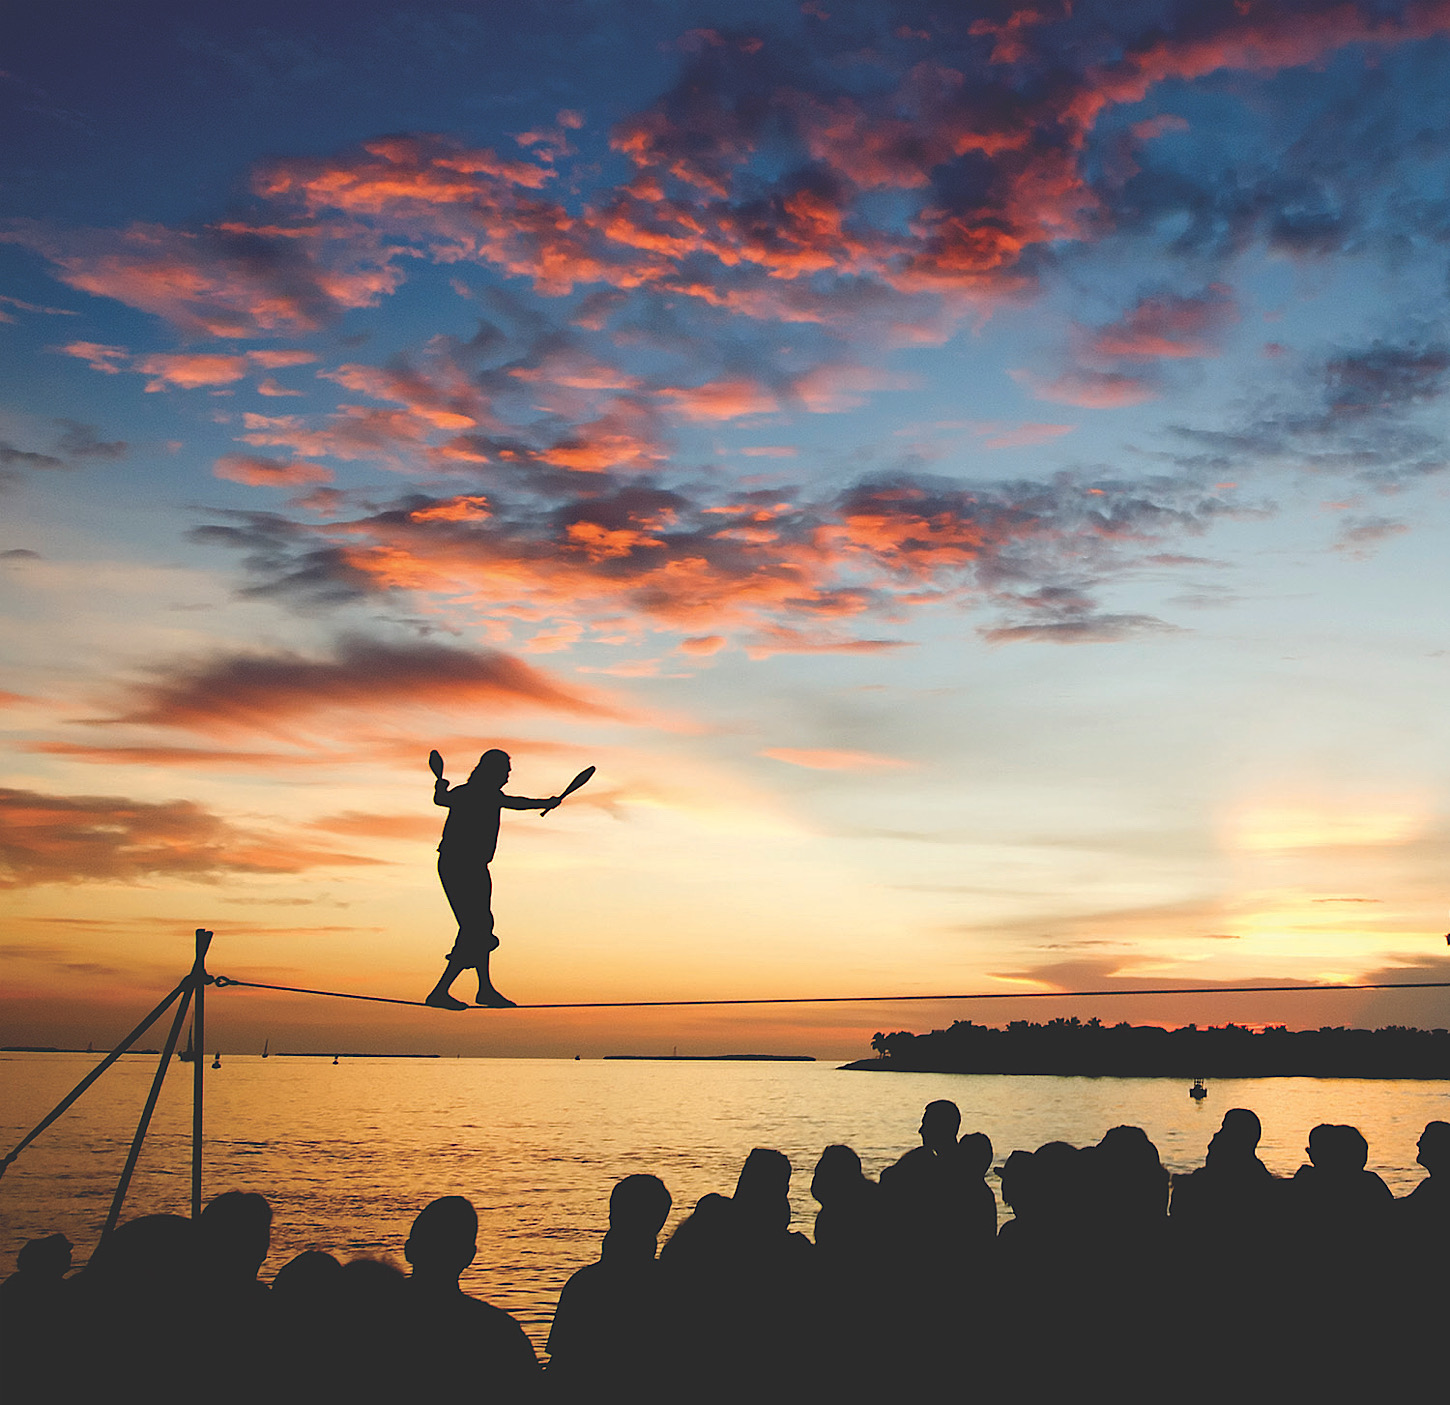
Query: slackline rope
[{"x": 223, "y": 981}]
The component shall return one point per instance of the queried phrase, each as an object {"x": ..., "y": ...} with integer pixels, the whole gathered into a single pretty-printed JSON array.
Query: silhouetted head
[
  {"x": 235, "y": 1233},
  {"x": 837, "y": 1174},
  {"x": 762, "y": 1194},
  {"x": 1352, "y": 1147},
  {"x": 703, "y": 1235},
  {"x": 370, "y": 1293},
  {"x": 154, "y": 1254},
  {"x": 1130, "y": 1179},
  {"x": 940, "y": 1123},
  {"x": 1129, "y": 1149},
  {"x": 639, "y": 1205},
  {"x": 1238, "y": 1138},
  {"x": 50, "y": 1258},
  {"x": 1434, "y": 1148},
  {"x": 493, "y": 768},
  {"x": 309, "y": 1280},
  {"x": 975, "y": 1151},
  {"x": 444, "y": 1238},
  {"x": 1337, "y": 1149}
]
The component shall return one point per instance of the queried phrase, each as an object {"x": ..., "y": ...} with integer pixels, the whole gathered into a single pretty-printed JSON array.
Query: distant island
[
  {"x": 718, "y": 1058},
  {"x": 1091, "y": 1048}
]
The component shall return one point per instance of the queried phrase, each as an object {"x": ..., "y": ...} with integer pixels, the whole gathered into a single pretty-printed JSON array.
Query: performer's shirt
[{"x": 472, "y": 824}]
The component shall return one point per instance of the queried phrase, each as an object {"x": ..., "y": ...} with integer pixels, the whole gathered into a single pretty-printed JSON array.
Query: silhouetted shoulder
[{"x": 491, "y": 1330}]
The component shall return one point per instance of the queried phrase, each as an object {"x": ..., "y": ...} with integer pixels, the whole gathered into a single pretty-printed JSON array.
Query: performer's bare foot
[
  {"x": 495, "y": 1001},
  {"x": 441, "y": 1000}
]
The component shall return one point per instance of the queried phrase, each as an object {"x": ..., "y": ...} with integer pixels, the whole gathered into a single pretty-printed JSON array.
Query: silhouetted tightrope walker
[{"x": 470, "y": 839}]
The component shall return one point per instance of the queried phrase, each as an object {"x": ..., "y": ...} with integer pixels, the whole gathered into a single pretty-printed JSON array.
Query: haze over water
[{"x": 348, "y": 1154}]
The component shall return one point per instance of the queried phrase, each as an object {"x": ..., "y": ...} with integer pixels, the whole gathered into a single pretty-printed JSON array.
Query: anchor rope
[{"x": 224, "y": 981}]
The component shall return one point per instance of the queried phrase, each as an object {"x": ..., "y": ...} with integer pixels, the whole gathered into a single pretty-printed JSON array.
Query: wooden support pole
[
  {"x": 134, "y": 1155},
  {"x": 199, "y": 980}
]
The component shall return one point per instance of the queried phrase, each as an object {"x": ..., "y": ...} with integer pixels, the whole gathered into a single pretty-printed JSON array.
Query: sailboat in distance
[
  {"x": 188, "y": 1054},
  {"x": 264, "y": 1048}
]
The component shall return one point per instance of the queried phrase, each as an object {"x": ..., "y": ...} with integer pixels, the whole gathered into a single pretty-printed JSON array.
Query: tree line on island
[{"x": 1073, "y": 1046}]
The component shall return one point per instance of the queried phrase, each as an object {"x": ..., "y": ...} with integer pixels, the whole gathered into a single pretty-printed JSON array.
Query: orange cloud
[
  {"x": 720, "y": 400},
  {"x": 271, "y": 692},
  {"x": 361, "y": 825},
  {"x": 191, "y": 369},
  {"x": 443, "y": 400},
  {"x": 106, "y": 838},
  {"x": 227, "y": 281},
  {"x": 354, "y": 432}
]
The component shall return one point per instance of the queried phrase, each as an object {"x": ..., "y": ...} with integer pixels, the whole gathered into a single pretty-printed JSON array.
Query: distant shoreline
[{"x": 1066, "y": 1048}]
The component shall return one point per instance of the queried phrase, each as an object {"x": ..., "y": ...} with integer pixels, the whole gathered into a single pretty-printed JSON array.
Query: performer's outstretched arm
[{"x": 522, "y": 802}]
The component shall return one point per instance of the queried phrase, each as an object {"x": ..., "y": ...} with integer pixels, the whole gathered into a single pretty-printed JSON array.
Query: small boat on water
[
  {"x": 264, "y": 1048},
  {"x": 188, "y": 1054},
  {"x": 1198, "y": 1092},
  {"x": 217, "y": 1062}
]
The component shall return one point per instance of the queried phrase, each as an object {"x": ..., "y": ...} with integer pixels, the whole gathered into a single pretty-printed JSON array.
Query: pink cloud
[
  {"x": 1169, "y": 326},
  {"x": 108, "y": 359},
  {"x": 277, "y": 360},
  {"x": 841, "y": 386},
  {"x": 720, "y": 400},
  {"x": 1154, "y": 127},
  {"x": 211, "y": 281},
  {"x": 258, "y": 472},
  {"x": 189, "y": 370},
  {"x": 1089, "y": 389},
  {"x": 1019, "y": 436}
]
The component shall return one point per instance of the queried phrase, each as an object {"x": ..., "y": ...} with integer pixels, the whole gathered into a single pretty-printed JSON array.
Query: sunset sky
[{"x": 973, "y": 481}]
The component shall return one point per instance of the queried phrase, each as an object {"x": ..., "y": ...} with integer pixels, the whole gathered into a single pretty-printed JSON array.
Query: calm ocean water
[{"x": 348, "y": 1154}]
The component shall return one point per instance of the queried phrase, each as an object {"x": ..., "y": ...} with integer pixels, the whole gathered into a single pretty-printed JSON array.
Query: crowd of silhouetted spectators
[{"x": 1110, "y": 1278}]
